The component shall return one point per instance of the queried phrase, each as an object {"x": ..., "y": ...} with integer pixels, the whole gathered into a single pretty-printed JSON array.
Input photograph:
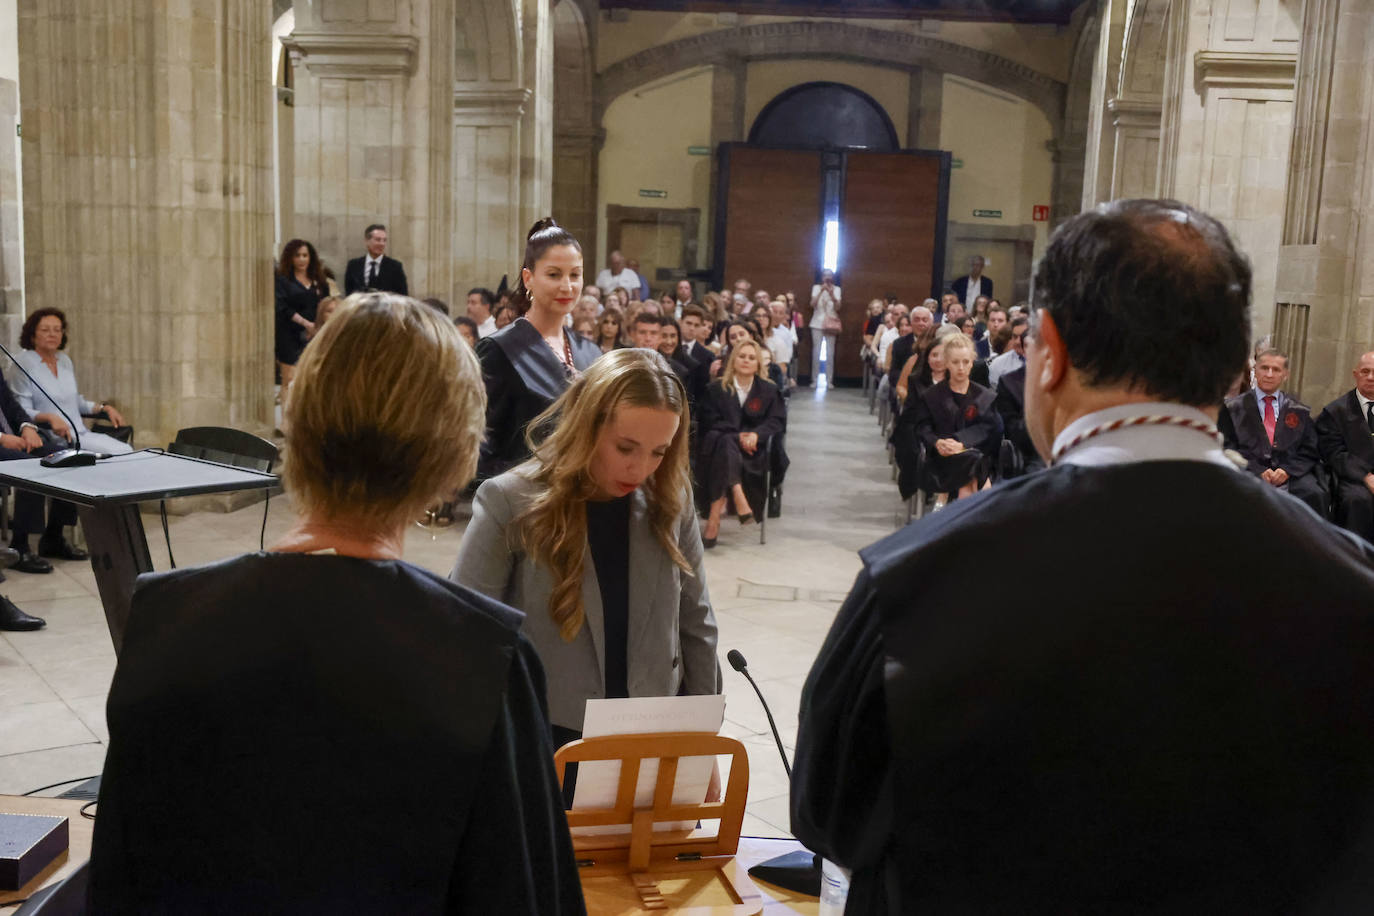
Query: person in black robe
[
  {"x": 960, "y": 429},
  {"x": 1291, "y": 461},
  {"x": 1010, "y": 404},
  {"x": 1112, "y": 725},
  {"x": 740, "y": 413},
  {"x": 522, "y": 372},
  {"x": 300, "y": 286},
  {"x": 324, "y": 728},
  {"x": 1345, "y": 436},
  {"x": 924, "y": 369}
]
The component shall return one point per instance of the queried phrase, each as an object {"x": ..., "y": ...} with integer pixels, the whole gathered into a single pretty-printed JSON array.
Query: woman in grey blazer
[{"x": 596, "y": 541}]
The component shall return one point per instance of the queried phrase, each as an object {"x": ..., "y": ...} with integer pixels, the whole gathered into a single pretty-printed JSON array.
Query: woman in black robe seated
[
  {"x": 925, "y": 367},
  {"x": 529, "y": 363},
  {"x": 956, "y": 422},
  {"x": 740, "y": 413},
  {"x": 322, "y": 727}
]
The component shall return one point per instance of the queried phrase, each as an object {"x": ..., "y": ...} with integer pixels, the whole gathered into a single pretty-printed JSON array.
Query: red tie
[{"x": 1270, "y": 421}]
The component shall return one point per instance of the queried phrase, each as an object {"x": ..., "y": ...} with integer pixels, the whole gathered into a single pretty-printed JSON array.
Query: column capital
[
  {"x": 504, "y": 102},
  {"x": 354, "y": 55},
  {"x": 1135, "y": 112},
  {"x": 1247, "y": 69}
]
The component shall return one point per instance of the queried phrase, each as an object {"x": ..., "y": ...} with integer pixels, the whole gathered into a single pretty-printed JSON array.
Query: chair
[
  {"x": 669, "y": 852},
  {"x": 1010, "y": 462},
  {"x": 225, "y": 446},
  {"x": 103, "y": 426},
  {"x": 916, "y": 505},
  {"x": 66, "y": 898}
]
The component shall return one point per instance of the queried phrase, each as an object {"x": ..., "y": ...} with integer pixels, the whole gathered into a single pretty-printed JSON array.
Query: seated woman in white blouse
[{"x": 43, "y": 338}]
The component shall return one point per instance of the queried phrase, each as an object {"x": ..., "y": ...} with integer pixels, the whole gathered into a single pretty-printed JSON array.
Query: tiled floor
[{"x": 773, "y": 602}]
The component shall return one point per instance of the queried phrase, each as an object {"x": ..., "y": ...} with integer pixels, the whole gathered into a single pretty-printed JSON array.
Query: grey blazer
[{"x": 672, "y": 631}]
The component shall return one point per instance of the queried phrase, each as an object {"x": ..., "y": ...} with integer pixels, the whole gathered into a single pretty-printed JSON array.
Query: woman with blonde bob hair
[
  {"x": 414, "y": 704},
  {"x": 595, "y": 539}
]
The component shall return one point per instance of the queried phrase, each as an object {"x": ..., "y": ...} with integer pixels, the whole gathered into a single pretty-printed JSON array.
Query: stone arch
[
  {"x": 1137, "y": 106},
  {"x": 1144, "y": 52},
  {"x": 1071, "y": 146},
  {"x": 833, "y": 41},
  {"x": 575, "y": 134},
  {"x": 824, "y": 115},
  {"x": 487, "y": 42}
]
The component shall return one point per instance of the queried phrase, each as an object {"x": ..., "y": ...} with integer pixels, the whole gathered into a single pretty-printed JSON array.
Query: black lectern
[{"x": 107, "y": 495}]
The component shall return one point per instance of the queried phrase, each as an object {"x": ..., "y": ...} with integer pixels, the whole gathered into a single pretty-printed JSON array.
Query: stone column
[
  {"x": 147, "y": 202},
  {"x": 1227, "y": 118},
  {"x": 925, "y": 99},
  {"x": 11, "y": 249},
  {"x": 728, "y": 78},
  {"x": 1325, "y": 288},
  {"x": 536, "y": 133},
  {"x": 487, "y": 230},
  {"x": 372, "y": 111},
  {"x": 1100, "y": 135}
]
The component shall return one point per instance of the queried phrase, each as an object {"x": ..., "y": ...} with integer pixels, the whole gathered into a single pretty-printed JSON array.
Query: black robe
[
  {"x": 1347, "y": 447},
  {"x": 294, "y": 299},
  {"x": 1294, "y": 449},
  {"x": 941, "y": 413},
  {"x": 721, "y": 463},
  {"x": 1129, "y": 716},
  {"x": 325, "y": 734},
  {"x": 1010, "y": 405},
  {"x": 523, "y": 377}
]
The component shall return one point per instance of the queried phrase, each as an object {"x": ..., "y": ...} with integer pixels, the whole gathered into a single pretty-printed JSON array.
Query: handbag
[{"x": 831, "y": 325}]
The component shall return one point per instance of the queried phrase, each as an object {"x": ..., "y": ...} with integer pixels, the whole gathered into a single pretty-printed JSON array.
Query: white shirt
[
  {"x": 827, "y": 305},
  {"x": 1278, "y": 402},
  {"x": 627, "y": 280},
  {"x": 972, "y": 292},
  {"x": 781, "y": 342},
  {"x": 371, "y": 268},
  {"x": 1140, "y": 443},
  {"x": 885, "y": 340},
  {"x": 487, "y": 328},
  {"x": 1364, "y": 405},
  {"x": 1003, "y": 363},
  {"x": 743, "y": 392}
]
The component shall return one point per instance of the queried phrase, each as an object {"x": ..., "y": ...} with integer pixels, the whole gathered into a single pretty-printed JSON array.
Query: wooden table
[
  {"x": 616, "y": 896},
  {"x": 606, "y": 896},
  {"x": 79, "y": 831}
]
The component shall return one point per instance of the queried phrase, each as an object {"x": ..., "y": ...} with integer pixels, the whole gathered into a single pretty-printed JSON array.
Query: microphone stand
[
  {"x": 799, "y": 872},
  {"x": 67, "y": 457}
]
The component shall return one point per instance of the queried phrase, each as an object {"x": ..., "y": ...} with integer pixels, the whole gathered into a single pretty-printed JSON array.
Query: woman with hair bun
[
  {"x": 530, "y": 362},
  {"x": 595, "y": 539}
]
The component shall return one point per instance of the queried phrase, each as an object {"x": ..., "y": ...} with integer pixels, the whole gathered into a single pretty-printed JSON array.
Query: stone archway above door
[{"x": 833, "y": 41}]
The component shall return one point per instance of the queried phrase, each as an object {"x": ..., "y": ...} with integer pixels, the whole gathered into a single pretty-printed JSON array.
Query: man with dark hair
[
  {"x": 1345, "y": 435},
  {"x": 480, "y": 302},
  {"x": 1014, "y": 356},
  {"x": 375, "y": 271},
  {"x": 683, "y": 296},
  {"x": 1168, "y": 709},
  {"x": 1274, "y": 432},
  {"x": 646, "y": 330}
]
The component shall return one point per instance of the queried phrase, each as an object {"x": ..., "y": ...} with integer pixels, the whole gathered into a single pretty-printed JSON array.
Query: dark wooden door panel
[{"x": 891, "y": 227}]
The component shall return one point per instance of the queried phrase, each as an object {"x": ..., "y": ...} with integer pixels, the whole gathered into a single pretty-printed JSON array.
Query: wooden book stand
[{"x": 644, "y": 852}]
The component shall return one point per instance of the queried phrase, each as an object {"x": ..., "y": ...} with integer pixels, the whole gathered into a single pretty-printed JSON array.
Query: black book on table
[{"x": 28, "y": 844}]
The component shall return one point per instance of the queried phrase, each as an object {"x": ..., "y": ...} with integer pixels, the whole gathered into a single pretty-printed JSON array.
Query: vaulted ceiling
[{"x": 1027, "y": 11}]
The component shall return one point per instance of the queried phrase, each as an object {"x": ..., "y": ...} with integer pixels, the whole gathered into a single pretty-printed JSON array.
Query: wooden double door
[{"x": 772, "y": 207}]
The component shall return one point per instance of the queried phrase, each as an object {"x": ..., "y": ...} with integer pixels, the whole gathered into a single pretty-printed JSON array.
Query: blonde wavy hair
[
  {"x": 727, "y": 374},
  {"x": 385, "y": 414},
  {"x": 553, "y": 530}
]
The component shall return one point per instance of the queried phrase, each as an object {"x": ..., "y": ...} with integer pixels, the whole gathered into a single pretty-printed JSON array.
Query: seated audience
[
  {"x": 382, "y": 745},
  {"x": 782, "y": 339},
  {"x": 956, "y": 422},
  {"x": 467, "y": 328},
  {"x": 1015, "y": 356},
  {"x": 593, "y": 292},
  {"x": 670, "y": 345},
  {"x": 585, "y": 328},
  {"x": 43, "y": 338},
  {"x": 998, "y": 341},
  {"x": 954, "y": 313},
  {"x": 1275, "y": 434},
  {"x": 608, "y": 330},
  {"x": 738, "y": 415},
  {"x": 480, "y": 303},
  {"x": 556, "y": 537},
  {"x": 646, "y": 331},
  {"x": 924, "y": 369},
  {"x": 505, "y": 314},
  {"x": 1345, "y": 436},
  {"x": 683, "y": 297},
  {"x": 586, "y": 309},
  {"x": 1010, "y": 404}
]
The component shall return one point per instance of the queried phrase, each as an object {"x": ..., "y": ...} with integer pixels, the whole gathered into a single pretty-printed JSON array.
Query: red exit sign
[{"x": 1040, "y": 213}]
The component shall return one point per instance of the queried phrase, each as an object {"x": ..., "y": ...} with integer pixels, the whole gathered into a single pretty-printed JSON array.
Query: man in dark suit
[
  {"x": 1345, "y": 435},
  {"x": 1274, "y": 432},
  {"x": 1166, "y": 708},
  {"x": 375, "y": 271},
  {"x": 973, "y": 284},
  {"x": 1011, "y": 404}
]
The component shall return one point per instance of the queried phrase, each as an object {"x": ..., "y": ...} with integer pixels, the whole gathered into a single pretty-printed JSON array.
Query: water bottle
[{"x": 834, "y": 888}]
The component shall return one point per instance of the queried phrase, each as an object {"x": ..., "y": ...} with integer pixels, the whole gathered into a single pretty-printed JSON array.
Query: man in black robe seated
[
  {"x": 1010, "y": 404},
  {"x": 323, "y": 727},
  {"x": 1345, "y": 435},
  {"x": 1140, "y": 720},
  {"x": 1279, "y": 439}
]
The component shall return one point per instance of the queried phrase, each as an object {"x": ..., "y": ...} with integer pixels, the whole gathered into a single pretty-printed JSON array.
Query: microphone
[
  {"x": 799, "y": 872},
  {"x": 67, "y": 457}
]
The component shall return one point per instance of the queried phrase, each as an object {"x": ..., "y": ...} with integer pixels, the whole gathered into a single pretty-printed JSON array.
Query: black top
[
  {"x": 294, "y": 298},
  {"x": 390, "y": 278},
  {"x": 1137, "y": 720},
  {"x": 293, "y": 733},
  {"x": 608, "y": 536},
  {"x": 873, "y": 324}
]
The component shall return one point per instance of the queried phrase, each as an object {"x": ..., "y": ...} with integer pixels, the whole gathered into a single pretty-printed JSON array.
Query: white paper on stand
[{"x": 597, "y": 781}]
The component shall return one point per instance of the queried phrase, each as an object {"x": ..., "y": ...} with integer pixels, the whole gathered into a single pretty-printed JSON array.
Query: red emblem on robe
[
  {"x": 753, "y": 405},
  {"x": 1291, "y": 421},
  {"x": 970, "y": 412}
]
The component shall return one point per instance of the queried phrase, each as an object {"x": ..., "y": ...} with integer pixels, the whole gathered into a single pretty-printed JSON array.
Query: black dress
[
  {"x": 1115, "y": 728},
  {"x": 294, "y": 299},
  {"x": 721, "y": 463},
  {"x": 523, "y": 377},
  {"x": 942, "y": 413},
  {"x": 294, "y": 733}
]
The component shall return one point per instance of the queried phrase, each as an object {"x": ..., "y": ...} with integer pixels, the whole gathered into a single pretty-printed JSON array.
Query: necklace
[
  {"x": 1158, "y": 420},
  {"x": 565, "y": 355}
]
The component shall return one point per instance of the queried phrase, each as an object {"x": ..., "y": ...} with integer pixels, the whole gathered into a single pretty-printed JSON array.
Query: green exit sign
[
  {"x": 652, "y": 192},
  {"x": 988, "y": 214},
  {"x": 698, "y": 150},
  {"x": 956, "y": 163}
]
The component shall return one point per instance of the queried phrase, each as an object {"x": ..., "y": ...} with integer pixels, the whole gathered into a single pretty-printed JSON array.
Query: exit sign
[
  {"x": 1040, "y": 213},
  {"x": 988, "y": 214},
  {"x": 652, "y": 192}
]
